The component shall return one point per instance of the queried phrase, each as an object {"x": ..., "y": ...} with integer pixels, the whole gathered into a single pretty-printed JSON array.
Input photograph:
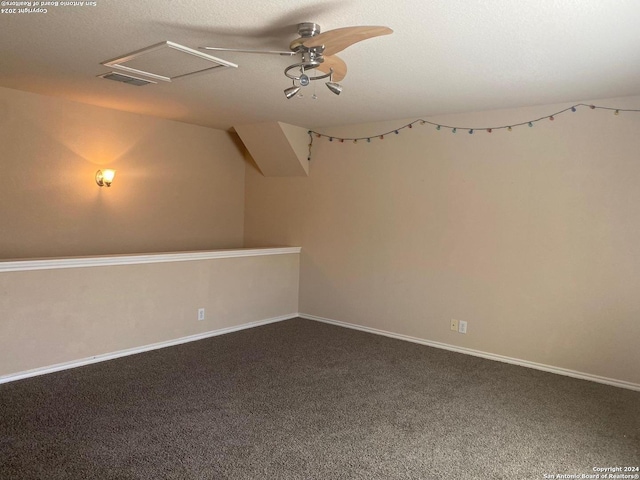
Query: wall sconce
[{"x": 104, "y": 178}]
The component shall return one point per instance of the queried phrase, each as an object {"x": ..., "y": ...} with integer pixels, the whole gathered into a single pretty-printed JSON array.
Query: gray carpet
[{"x": 305, "y": 400}]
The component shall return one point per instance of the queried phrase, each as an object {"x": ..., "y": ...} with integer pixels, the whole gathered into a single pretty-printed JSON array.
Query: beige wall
[
  {"x": 531, "y": 236},
  {"x": 64, "y": 315},
  {"x": 178, "y": 187}
]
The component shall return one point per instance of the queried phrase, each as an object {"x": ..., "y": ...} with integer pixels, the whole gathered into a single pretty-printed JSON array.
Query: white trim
[
  {"x": 110, "y": 260},
  {"x": 479, "y": 353},
  {"x": 118, "y": 62},
  {"x": 132, "y": 351}
]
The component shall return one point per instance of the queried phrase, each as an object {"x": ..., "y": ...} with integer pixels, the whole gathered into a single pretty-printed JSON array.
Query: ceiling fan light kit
[
  {"x": 291, "y": 91},
  {"x": 317, "y": 51},
  {"x": 334, "y": 87}
]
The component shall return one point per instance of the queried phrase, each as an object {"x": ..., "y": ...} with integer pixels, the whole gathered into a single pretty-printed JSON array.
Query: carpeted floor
[{"x": 305, "y": 400}]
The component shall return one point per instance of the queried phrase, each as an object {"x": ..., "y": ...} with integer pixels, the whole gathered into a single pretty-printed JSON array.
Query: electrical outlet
[
  {"x": 454, "y": 325},
  {"x": 201, "y": 314},
  {"x": 462, "y": 326}
]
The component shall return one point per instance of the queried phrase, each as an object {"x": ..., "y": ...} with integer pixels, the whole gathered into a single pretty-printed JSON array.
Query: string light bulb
[{"x": 453, "y": 129}]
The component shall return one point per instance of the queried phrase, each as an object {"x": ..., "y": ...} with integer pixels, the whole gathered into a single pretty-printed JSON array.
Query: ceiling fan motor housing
[{"x": 308, "y": 29}]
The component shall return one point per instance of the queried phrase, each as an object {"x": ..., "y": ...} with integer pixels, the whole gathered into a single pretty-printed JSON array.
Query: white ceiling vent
[
  {"x": 119, "y": 77},
  {"x": 167, "y": 61}
]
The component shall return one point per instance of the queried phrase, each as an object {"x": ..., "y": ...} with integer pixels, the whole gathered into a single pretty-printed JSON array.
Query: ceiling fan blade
[
  {"x": 245, "y": 50},
  {"x": 335, "y": 41},
  {"x": 335, "y": 63}
]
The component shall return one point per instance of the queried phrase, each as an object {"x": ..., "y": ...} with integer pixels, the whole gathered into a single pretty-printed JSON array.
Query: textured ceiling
[{"x": 445, "y": 56}]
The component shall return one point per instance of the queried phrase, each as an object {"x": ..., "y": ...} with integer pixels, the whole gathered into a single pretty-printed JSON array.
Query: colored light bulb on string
[
  {"x": 489, "y": 130},
  {"x": 617, "y": 112},
  {"x": 471, "y": 131},
  {"x": 438, "y": 127},
  {"x": 509, "y": 129},
  {"x": 454, "y": 130},
  {"x": 551, "y": 118},
  {"x": 531, "y": 124},
  {"x": 573, "y": 109}
]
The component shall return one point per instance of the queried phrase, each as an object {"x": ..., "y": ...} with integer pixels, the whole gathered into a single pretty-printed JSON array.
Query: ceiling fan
[{"x": 317, "y": 51}]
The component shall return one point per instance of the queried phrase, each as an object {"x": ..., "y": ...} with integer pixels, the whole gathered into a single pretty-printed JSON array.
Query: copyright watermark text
[{"x": 15, "y": 7}]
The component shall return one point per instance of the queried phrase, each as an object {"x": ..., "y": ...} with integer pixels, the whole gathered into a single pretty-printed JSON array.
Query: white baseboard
[
  {"x": 491, "y": 356},
  {"x": 132, "y": 351},
  {"x": 478, "y": 353}
]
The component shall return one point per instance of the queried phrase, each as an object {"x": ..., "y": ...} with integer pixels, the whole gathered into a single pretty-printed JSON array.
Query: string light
[{"x": 454, "y": 129}]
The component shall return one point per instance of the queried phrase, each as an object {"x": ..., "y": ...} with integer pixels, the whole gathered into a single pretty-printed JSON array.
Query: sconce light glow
[{"x": 104, "y": 178}]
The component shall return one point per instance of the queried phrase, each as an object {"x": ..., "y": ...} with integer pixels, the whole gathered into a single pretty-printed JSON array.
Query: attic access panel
[{"x": 167, "y": 61}]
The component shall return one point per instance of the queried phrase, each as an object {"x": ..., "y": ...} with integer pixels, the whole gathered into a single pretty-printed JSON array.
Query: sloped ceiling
[{"x": 445, "y": 56}]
